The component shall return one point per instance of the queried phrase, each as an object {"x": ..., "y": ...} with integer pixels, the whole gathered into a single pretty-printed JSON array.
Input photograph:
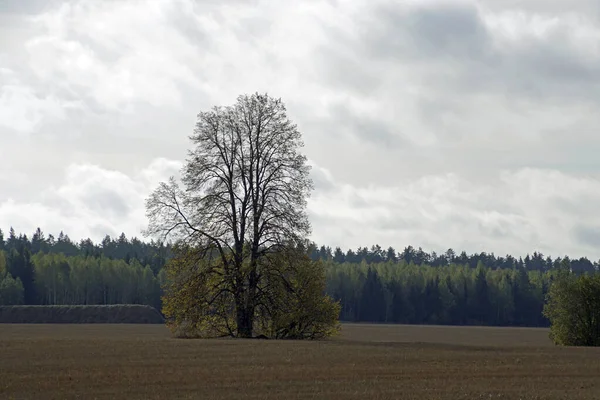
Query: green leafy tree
[
  {"x": 19, "y": 266},
  {"x": 11, "y": 290},
  {"x": 573, "y": 308},
  {"x": 3, "y": 269}
]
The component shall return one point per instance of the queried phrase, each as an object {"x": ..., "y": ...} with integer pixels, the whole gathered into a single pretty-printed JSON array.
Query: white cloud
[
  {"x": 90, "y": 202},
  {"x": 160, "y": 170},
  {"x": 527, "y": 210},
  {"x": 22, "y": 110},
  {"x": 437, "y": 123},
  {"x": 149, "y": 58}
]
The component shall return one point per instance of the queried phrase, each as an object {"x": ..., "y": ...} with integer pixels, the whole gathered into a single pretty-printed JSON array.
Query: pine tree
[
  {"x": 38, "y": 241},
  {"x": 338, "y": 256},
  {"x": 12, "y": 239},
  {"x": 398, "y": 305},
  {"x": 372, "y": 307},
  {"x": 390, "y": 255},
  {"x": 433, "y": 303},
  {"x": 481, "y": 297},
  {"x": 20, "y": 266}
]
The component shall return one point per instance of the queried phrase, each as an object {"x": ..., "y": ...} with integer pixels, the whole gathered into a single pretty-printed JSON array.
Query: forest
[{"x": 372, "y": 284}]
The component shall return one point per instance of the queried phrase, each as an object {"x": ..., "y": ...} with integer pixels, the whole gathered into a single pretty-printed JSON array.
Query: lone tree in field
[
  {"x": 240, "y": 227},
  {"x": 573, "y": 308}
]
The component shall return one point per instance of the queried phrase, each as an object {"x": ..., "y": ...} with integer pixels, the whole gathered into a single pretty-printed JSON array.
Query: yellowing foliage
[
  {"x": 290, "y": 303},
  {"x": 194, "y": 303},
  {"x": 294, "y": 300},
  {"x": 2, "y": 264}
]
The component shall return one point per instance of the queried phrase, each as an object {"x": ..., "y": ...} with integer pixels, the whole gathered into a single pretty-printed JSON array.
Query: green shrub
[
  {"x": 573, "y": 308},
  {"x": 11, "y": 290}
]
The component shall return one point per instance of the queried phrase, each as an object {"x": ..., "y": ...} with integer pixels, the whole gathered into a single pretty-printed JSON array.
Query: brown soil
[{"x": 367, "y": 362}]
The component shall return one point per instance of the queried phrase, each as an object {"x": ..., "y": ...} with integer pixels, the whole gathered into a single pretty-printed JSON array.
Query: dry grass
[{"x": 367, "y": 362}]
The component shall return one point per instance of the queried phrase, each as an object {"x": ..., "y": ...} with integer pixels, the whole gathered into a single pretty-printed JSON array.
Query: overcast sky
[{"x": 471, "y": 125}]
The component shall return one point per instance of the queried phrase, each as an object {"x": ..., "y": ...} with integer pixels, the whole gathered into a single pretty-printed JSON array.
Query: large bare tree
[{"x": 245, "y": 186}]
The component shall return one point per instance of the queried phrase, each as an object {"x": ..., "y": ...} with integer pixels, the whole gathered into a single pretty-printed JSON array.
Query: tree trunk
[
  {"x": 244, "y": 319},
  {"x": 245, "y": 305}
]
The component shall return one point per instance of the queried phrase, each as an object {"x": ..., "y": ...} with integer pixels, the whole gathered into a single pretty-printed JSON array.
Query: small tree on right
[{"x": 573, "y": 308}]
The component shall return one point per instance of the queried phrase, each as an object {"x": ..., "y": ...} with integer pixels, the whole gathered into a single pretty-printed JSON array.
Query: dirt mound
[{"x": 79, "y": 314}]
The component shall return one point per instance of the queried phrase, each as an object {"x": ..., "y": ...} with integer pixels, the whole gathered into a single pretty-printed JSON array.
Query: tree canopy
[{"x": 241, "y": 207}]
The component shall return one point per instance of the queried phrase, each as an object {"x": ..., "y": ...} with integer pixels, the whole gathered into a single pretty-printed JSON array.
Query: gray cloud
[
  {"x": 108, "y": 203},
  {"x": 30, "y": 7},
  {"x": 588, "y": 235},
  {"x": 440, "y": 31},
  {"x": 458, "y": 49},
  {"x": 322, "y": 180},
  {"x": 367, "y": 128},
  {"x": 587, "y": 8},
  {"x": 437, "y": 124}
]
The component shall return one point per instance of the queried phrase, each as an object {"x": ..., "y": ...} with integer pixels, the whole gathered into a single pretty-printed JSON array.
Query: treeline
[
  {"x": 153, "y": 254},
  {"x": 48, "y": 271},
  {"x": 372, "y": 284},
  {"x": 376, "y": 255},
  {"x": 448, "y": 295},
  {"x": 56, "y": 279}
]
